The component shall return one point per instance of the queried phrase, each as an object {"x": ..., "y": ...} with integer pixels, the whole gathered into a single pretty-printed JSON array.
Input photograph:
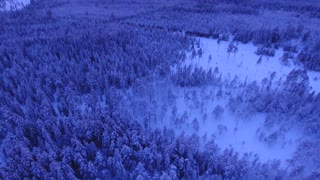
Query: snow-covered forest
[{"x": 146, "y": 89}]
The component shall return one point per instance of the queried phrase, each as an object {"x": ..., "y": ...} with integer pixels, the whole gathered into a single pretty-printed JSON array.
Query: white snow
[
  {"x": 159, "y": 103},
  {"x": 242, "y": 132},
  {"x": 12, "y": 5},
  {"x": 244, "y": 63},
  {"x": 314, "y": 80},
  {"x": 246, "y": 134}
]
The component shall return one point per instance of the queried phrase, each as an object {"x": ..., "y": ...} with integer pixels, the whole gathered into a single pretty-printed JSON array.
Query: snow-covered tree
[{"x": 218, "y": 112}]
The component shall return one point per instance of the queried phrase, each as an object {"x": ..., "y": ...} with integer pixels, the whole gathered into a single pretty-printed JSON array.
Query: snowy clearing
[
  {"x": 244, "y": 63},
  {"x": 193, "y": 108},
  {"x": 193, "y": 111}
]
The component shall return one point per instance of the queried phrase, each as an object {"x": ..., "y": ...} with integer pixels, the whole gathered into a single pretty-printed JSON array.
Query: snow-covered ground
[
  {"x": 314, "y": 80},
  {"x": 244, "y": 63},
  {"x": 12, "y": 5},
  {"x": 158, "y": 103},
  {"x": 192, "y": 112},
  {"x": 192, "y": 108}
]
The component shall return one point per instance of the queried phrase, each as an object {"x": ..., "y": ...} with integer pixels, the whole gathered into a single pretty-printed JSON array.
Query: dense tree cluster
[
  {"x": 61, "y": 113},
  {"x": 49, "y": 70},
  {"x": 98, "y": 145},
  {"x": 310, "y": 56},
  {"x": 213, "y": 19},
  {"x": 287, "y": 105},
  {"x": 189, "y": 76},
  {"x": 65, "y": 86},
  {"x": 290, "y": 99}
]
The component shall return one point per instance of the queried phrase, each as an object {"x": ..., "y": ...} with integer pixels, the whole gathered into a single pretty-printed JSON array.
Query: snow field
[{"x": 244, "y": 63}]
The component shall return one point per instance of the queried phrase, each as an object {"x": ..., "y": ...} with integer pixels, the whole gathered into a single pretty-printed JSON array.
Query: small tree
[
  {"x": 49, "y": 14},
  {"x": 222, "y": 128},
  {"x": 218, "y": 112},
  {"x": 264, "y": 82},
  {"x": 297, "y": 82},
  {"x": 258, "y": 63},
  {"x": 285, "y": 59},
  {"x": 195, "y": 124},
  {"x": 232, "y": 49},
  {"x": 200, "y": 52},
  {"x": 205, "y": 117},
  {"x": 219, "y": 93}
]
